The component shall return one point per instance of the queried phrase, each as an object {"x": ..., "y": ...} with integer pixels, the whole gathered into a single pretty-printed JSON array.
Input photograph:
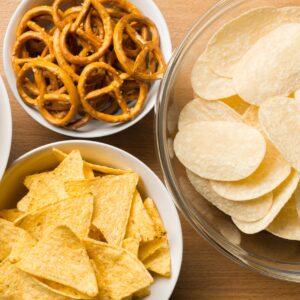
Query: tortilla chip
[
  {"x": 113, "y": 197},
  {"x": 140, "y": 225},
  {"x": 149, "y": 248},
  {"x": 96, "y": 234},
  {"x": 16, "y": 284},
  {"x": 143, "y": 293},
  {"x": 88, "y": 172},
  {"x": 61, "y": 257},
  {"x": 132, "y": 245},
  {"x": 154, "y": 214},
  {"x": 14, "y": 241},
  {"x": 10, "y": 214},
  {"x": 75, "y": 212},
  {"x": 119, "y": 273},
  {"x": 60, "y": 155}
]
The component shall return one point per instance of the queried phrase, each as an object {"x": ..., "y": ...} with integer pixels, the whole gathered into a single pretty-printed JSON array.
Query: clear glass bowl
[{"x": 262, "y": 252}]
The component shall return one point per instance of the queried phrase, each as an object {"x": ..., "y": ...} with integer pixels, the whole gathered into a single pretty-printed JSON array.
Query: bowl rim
[
  {"x": 248, "y": 260},
  {"x": 129, "y": 157},
  {"x": 7, "y": 127},
  {"x": 95, "y": 133}
]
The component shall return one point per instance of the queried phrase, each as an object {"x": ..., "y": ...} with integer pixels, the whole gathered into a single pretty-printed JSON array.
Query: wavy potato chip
[
  {"x": 287, "y": 223},
  {"x": 199, "y": 110},
  {"x": 213, "y": 150},
  {"x": 132, "y": 245},
  {"x": 248, "y": 211},
  {"x": 61, "y": 257},
  {"x": 113, "y": 198},
  {"x": 140, "y": 225},
  {"x": 271, "y": 67},
  {"x": 75, "y": 212},
  {"x": 281, "y": 196},
  {"x": 10, "y": 214},
  {"x": 119, "y": 273},
  {"x": 280, "y": 119},
  {"x": 207, "y": 84},
  {"x": 16, "y": 284},
  {"x": 230, "y": 43},
  {"x": 14, "y": 241},
  {"x": 270, "y": 174}
]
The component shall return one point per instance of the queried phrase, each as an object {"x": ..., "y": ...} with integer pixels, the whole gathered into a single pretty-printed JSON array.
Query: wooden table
[{"x": 206, "y": 274}]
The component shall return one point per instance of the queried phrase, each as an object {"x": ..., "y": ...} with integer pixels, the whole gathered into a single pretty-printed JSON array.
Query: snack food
[
  {"x": 86, "y": 241},
  {"x": 247, "y": 78},
  {"x": 79, "y": 61}
]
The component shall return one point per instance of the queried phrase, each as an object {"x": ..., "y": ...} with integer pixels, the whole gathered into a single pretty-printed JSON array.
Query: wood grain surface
[{"x": 206, "y": 274}]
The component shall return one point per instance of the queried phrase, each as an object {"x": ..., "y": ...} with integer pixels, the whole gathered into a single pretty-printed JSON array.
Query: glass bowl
[{"x": 262, "y": 252}]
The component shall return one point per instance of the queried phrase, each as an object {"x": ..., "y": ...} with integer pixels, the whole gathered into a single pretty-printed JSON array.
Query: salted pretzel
[
  {"x": 148, "y": 47},
  {"x": 114, "y": 88},
  {"x": 38, "y": 66}
]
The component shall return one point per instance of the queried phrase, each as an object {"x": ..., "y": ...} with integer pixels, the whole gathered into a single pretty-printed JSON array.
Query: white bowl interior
[
  {"x": 41, "y": 159},
  {"x": 5, "y": 127},
  {"x": 95, "y": 128}
]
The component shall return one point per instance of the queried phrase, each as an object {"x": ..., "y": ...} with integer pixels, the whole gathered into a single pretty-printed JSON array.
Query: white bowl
[
  {"x": 95, "y": 128},
  {"x": 42, "y": 159},
  {"x": 5, "y": 127}
]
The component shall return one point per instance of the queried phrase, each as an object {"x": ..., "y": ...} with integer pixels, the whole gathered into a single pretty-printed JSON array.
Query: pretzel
[
  {"x": 39, "y": 65},
  {"x": 137, "y": 67},
  {"x": 100, "y": 47}
]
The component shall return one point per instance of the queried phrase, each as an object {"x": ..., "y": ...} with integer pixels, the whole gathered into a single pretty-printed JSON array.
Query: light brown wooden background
[{"x": 206, "y": 274}]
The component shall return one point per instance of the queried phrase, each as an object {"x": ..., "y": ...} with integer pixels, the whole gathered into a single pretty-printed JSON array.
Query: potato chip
[
  {"x": 270, "y": 174},
  {"x": 287, "y": 223},
  {"x": 247, "y": 211},
  {"x": 61, "y": 257},
  {"x": 159, "y": 262},
  {"x": 280, "y": 119},
  {"x": 48, "y": 188},
  {"x": 207, "y": 84},
  {"x": 119, "y": 273},
  {"x": 60, "y": 155},
  {"x": 213, "y": 150},
  {"x": 132, "y": 245},
  {"x": 16, "y": 284},
  {"x": 75, "y": 212},
  {"x": 113, "y": 198},
  {"x": 140, "y": 225},
  {"x": 281, "y": 196},
  {"x": 237, "y": 104},
  {"x": 199, "y": 110},
  {"x": 154, "y": 214},
  {"x": 271, "y": 67},
  {"x": 290, "y": 14},
  {"x": 14, "y": 241},
  {"x": 10, "y": 214},
  {"x": 230, "y": 43}
]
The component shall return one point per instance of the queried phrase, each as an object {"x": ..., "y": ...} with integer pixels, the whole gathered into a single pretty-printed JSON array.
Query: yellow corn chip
[
  {"x": 132, "y": 245},
  {"x": 140, "y": 225},
  {"x": 154, "y": 214},
  {"x": 96, "y": 234},
  {"x": 145, "y": 292},
  {"x": 119, "y": 273},
  {"x": 75, "y": 212},
  {"x": 60, "y": 155},
  {"x": 149, "y": 248},
  {"x": 113, "y": 197},
  {"x": 14, "y": 241},
  {"x": 16, "y": 284},
  {"x": 61, "y": 257},
  {"x": 88, "y": 172},
  {"x": 10, "y": 214}
]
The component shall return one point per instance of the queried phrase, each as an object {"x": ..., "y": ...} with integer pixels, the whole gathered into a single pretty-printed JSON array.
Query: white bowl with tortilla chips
[
  {"x": 238, "y": 54},
  {"x": 45, "y": 159}
]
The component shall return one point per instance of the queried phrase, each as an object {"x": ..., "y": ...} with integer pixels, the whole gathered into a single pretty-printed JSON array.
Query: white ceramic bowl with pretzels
[{"x": 95, "y": 128}]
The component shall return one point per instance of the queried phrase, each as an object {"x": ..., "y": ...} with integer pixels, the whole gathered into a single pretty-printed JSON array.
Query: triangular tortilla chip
[
  {"x": 16, "y": 284},
  {"x": 132, "y": 245},
  {"x": 140, "y": 225},
  {"x": 119, "y": 273},
  {"x": 10, "y": 214},
  {"x": 154, "y": 214},
  {"x": 61, "y": 257},
  {"x": 75, "y": 212},
  {"x": 14, "y": 241},
  {"x": 149, "y": 248},
  {"x": 113, "y": 197},
  {"x": 48, "y": 188}
]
